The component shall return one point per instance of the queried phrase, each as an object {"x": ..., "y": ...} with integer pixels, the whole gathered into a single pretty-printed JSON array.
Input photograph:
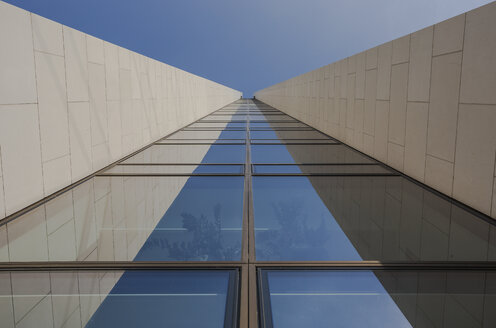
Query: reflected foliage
[
  {"x": 206, "y": 239},
  {"x": 297, "y": 233}
]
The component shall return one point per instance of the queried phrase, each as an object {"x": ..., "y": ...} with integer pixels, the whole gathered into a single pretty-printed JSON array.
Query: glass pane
[
  {"x": 325, "y": 298},
  {"x": 216, "y": 125},
  {"x": 204, "y": 134},
  {"x": 133, "y": 219},
  {"x": 210, "y": 154},
  {"x": 271, "y": 117},
  {"x": 306, "y": 154},
  {"x": 201, "y": 141},
  {"x": 277, "y": 125},
  {"x": 293, "y": 141},
  {"x": 175, "y": 169},
  {"x": 363, "y": 218},
  {"x": 101, "y": 299},
  {"x": 320, "y": 169},
  {"x": 221, "y": 117},
  {"x": 295, "y": 134}
]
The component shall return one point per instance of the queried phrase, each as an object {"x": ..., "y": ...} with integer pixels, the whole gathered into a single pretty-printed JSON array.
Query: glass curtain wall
[{"x": 247, "y": 218}]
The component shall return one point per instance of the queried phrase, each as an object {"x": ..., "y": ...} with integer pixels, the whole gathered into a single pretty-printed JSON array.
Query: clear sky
[{"x": 248, "y": 45}]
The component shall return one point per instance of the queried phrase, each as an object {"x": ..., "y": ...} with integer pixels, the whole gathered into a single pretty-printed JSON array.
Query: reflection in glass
[
  {"x": 210, "y": 154},
  {"x": 295, "y": 134},
  {"x": 324, "y": 298},
  {"x": 159, "y": 298},
  {"x": 175, "y": 169},
  {"x": 306, "y": 154},
  {"x": 203, "y": 134},
  {"x": 320, "y": 169},
  {"x": 386, "y": 218},
  {"x": 202, "y": 224},
  {"x": 132, "y": 218},
  {"x": 217, "y": 125},
  {"x": 293, "y": 224}
]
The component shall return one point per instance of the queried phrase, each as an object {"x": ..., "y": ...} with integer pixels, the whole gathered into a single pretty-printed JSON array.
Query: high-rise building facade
[
  {"x": 249, "y": 217},
  {"x": 139, "y": 195}
]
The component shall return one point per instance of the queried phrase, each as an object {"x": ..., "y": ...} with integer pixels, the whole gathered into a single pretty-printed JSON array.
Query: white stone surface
[
  {"x": 71, "y": 103},
  {"x": 429, "y": 105}
]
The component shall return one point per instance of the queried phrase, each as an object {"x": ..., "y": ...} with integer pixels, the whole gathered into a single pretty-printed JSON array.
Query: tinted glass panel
[
  {"x": 204, "y": 134},
  {"x": 369, "y": 218},
  {"x": 175, "y": 169},
  {"x": 200, "y": 141},
  {"x": 276, "y": 124},
  {"x": 133, "y": 218},
  {"x": 293, "y": 141},
  {"x": 161, "y": 298},
  {"x": 216, "y": 125},
  {"x": 190, "y": 154},
  {"x": 302, "y": 134},
  {"x": 321, "y": 169},
  {"x": 379, "y": 299},
  {"x": 271, "y": 117},
  {"x": 306, "y": 154},
  {"x": 221, "y": 117}
]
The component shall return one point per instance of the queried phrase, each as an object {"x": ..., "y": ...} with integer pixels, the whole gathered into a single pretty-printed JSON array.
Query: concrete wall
[
  {"x": 424, "y": 104},
  {"x": 71, "y": 104}
]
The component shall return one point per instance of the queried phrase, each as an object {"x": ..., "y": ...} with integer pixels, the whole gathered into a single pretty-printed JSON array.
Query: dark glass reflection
[
  {"x": 369, "y": 218},
  {"x": 320, "y": 169},
  {"x": 286, "y": 134},
  {"x": 306, "y": 154}
]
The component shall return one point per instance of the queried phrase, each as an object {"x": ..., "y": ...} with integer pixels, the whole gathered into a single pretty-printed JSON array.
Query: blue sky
[{"x": 248, "y": 45}]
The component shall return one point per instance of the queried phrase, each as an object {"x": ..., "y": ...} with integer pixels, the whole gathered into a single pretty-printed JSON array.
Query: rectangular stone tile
[
  {"x": 448, "y": 35},
  {"x": 397, "y": 111},
  {"x": 84, "y": 217},
  {"x": 47, "y": 35},
  {"x": 396, "y": 156},
  {"x": 76, "y": 64},
  {"x": 479, "y": 57},
  {"x": 401, "y": 50},
  {"x": 52, "y": 105},
  {"x": 358, "y": 124},
  {"x": 370, "y": 101},
  {"x": 111, "y": 71},
  {"x": 371, "y": 58},
  {"x": 415, "y": 140},
  {"x": 17, "y": 78},
  {"x": 420, "y": 65},
  {"x": 95, "y": 50},
  {"x": 56, "y": 174},
  {"x": 443, "y": 110},
  {"x": 350, "y": 102},
  {"x": 98, "y": 104},
  {"x": 381, "y": 130},
  {"x": 6, "y": 302},
  {"x": 439, "y": 174},
  {"x": 384, "y": 71},
  {"x": 22, "y": 175},
  {"x": 475, "y": 156},
  {"x": 360, "y": 76},
  {"x": 4, "y": 243},
  {"x": 80, "y": 139}
]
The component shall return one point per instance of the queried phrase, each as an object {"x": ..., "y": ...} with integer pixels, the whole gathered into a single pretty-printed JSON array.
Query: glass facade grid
[{"x": 249, "y": 201}]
